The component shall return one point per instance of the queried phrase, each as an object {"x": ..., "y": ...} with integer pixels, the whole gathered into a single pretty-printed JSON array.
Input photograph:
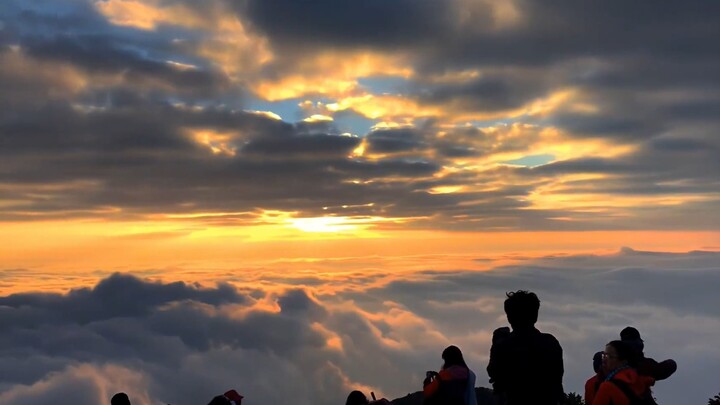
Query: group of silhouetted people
[
  {"x": 526, "y": 367},
  {"x": 623, "y": 375},
  {"x": 230, "y": 397}
]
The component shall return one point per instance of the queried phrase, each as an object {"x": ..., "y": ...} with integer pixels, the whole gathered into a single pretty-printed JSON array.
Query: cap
[
  {"x": 630, "y": 333},
  {"x": 234, "y": 397}
]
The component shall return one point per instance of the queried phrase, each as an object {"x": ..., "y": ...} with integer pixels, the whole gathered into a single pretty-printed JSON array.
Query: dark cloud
[
  {"x": 395, "y": 140},
  {"x": 116, "y": 296},
  {"x": 487, "y": 94},
  {"x": 374, "y": 22},
  {"x": 319, "y": 145}
]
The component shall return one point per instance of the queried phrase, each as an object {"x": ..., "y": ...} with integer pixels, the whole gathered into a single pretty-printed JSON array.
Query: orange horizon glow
[{"x": 90, "y": 249}]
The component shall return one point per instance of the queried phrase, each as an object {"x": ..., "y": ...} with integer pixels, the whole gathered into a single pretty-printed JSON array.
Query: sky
[{"x": 334, "y": 191}]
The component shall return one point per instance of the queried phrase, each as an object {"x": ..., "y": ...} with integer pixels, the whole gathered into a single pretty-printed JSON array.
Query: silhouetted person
[
  {"x": 358, "y": 398},
  {"x": 645, "y": 365},
  {"x": 219, "y": 400},
  {"x": 454, "y": 384},
  {"x": 526, "y": 367},
  {"x": 120, "y": 398},
  {"x": 230, "y": 397},
  {"x": 622, "y": 385},
  {"x": 592, "y": 384}
]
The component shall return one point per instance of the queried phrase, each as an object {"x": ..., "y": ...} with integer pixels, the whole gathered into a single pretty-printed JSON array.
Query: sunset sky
[{"x": 330, "y": 178}]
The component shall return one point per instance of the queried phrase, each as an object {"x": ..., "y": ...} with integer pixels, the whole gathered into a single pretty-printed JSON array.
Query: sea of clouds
[{"x": 311, "y": 340}]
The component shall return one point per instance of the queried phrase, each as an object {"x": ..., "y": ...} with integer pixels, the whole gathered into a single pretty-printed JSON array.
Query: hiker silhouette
[
  {"x": 358, "y": 398},
  {"x": 646, "y": 365},
  {"x": 526, "y": 365},
  {"x": 230, "y": 397}
]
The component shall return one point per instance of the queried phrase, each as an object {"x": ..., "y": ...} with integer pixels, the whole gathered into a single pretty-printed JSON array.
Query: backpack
[{"x": 645, "y": 399}]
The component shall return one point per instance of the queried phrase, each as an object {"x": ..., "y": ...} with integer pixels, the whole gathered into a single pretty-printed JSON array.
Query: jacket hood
[{"x": 638, "y": 383}]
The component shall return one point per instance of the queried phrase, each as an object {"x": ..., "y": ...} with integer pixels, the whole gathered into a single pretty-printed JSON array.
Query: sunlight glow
[
  {"x": 331, "y": 73},
  {"x": 218, "y": 143},
  {"x": 330, "y": 224},
  {"x": 446, "y": 189},
  {"x": 359, "y": 151},
  {"x": 318, "y": 118}
]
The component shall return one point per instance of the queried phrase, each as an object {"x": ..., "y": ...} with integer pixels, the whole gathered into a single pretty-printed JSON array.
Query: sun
[{"x": 326, "y": 224}]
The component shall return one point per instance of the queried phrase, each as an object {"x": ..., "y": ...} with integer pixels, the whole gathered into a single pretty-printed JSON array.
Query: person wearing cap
[
  {"x": 646, "y": 365},
  {"x": 228, "y": 398},
  {"x": 233, "y": 397}
]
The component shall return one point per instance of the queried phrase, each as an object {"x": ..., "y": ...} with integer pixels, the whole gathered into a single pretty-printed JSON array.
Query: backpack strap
[{"x": 629, "y": 393}]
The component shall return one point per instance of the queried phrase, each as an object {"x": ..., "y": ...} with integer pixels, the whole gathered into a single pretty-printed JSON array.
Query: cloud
[
  {"x": 179, "y": 342},
  {"x": 353, "y": 24},
  {"x": 148, "y": 109},
  {"x": 81, "y": 384}
]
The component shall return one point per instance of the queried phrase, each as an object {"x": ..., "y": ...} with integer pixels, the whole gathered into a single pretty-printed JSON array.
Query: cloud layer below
[{"x": 312, "y": 338}]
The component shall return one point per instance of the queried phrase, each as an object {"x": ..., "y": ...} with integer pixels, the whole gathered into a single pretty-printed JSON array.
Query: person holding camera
[{"x": 454, "y": 384}]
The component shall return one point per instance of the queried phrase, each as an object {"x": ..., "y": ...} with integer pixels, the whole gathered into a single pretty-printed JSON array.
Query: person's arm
[
  {"x": 432, "y": 386},
  {"x": 494, "y": 367},
  {"x": 664, "y": 369}
]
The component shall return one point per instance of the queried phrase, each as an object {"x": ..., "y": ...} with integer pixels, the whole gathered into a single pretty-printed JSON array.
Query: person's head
[
  {"x": 617, "y": 354},
  {"x": 356, "y": 398},
  {"x": 120, "y": 398},
  {"x": 597, "y": 362},
  {"x": 521, "y": 308},
  {"x": 630, "y": 333},
  {"x": 632, "y": 337},
  {"x": 452, "y": 356},
  {"x": 219, "y": 400}
]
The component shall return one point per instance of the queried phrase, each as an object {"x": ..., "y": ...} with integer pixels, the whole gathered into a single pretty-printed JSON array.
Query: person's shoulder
[
  {"x": 502, "y": 344},
  {"x": 591, "y": 381},
  {"x": 549, "y": 339}
]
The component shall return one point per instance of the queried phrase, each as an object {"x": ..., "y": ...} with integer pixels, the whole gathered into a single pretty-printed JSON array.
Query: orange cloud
[
  {"x": 330, "y": 73},
  {"x": 218, "y": 143},
  {"x": 148, "y": 14}
]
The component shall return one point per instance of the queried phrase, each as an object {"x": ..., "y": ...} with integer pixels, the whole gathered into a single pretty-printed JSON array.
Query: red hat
[{"x": 234, "y": 397}]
